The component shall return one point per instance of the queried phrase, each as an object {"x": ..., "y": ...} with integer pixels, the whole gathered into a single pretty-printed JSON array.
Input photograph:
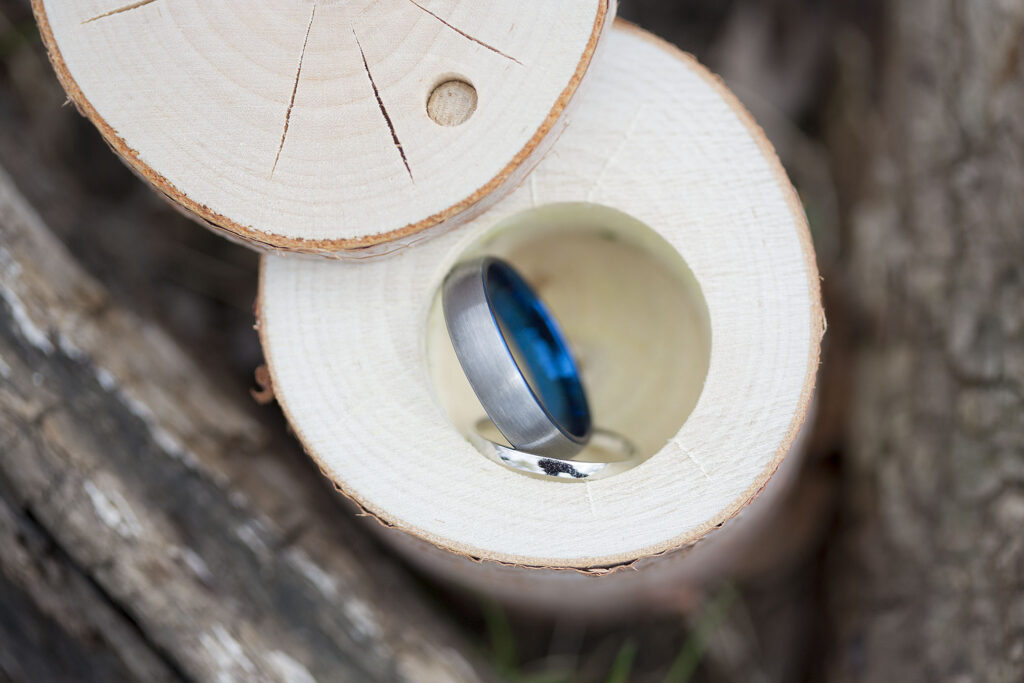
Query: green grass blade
[
  {"x": 502, "y": 640},
  {"x": 689, "y": 658},
  {"x": 622, "y": 667}
]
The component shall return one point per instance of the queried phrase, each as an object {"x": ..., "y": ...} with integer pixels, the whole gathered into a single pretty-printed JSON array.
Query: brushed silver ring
[{"x": 516, "y": 359}]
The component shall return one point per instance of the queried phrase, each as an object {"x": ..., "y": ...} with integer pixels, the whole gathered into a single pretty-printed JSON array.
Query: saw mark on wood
[
  {"x": 590, "y": 500},
  {"x": 383, "y": 109},
  {"x": 295, "y": 89},
  {"x": 696, "y": 462},
  {"x": 466, "y": 35},
  {"x": 120, "y": 10},
  {"x": 619, "y": 149}
]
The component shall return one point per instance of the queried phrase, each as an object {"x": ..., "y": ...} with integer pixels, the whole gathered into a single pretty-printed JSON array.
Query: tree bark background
[
  {"x": 151, "y": 528},
  {"x": 927, "y": 575},
  {"x": 155, "y": 523}
]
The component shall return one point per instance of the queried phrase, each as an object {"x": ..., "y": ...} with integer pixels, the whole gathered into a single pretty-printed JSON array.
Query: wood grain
[{"x": 304, "y": 126}]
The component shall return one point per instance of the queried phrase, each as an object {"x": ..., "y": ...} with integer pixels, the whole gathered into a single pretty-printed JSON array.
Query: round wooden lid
[{"x": 320, "y": 126}]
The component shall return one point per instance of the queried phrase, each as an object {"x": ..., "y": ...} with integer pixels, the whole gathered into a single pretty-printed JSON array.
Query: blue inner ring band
[{"x": 551, "y": 370}]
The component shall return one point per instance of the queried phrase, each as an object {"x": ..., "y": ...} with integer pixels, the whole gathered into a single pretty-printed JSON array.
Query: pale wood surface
[
  {"x": 658, "y": 138},
  {"x": 304, "y": 126},
  {"x": 151, "y": 529},
  {"x": 769, "y": 535}
]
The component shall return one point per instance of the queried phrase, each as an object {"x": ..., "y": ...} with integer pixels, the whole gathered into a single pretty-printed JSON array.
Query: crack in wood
[
  {"x": 383, "y": 109},
  {"x": 295, "y": 90},
  {"x": 466, "y": 35},
  {"x": 120, "y": 10}
]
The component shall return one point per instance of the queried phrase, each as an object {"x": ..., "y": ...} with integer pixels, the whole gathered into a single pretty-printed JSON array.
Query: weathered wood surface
[
  {"x": 150, "y": 527},
  {"x": 928, "y": 579}
]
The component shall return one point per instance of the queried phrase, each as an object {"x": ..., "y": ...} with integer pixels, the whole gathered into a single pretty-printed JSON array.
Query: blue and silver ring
[{"x": 516, "y": 359}]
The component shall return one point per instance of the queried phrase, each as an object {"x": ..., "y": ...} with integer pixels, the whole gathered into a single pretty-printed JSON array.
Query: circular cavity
[
  {"x": 629, "y": 306},
  {"x": 452, "y": 103},
  {"x": 516, "y": 359},
  {"x": 659, "y": 140},
  {"x": 301, "y": 126}
]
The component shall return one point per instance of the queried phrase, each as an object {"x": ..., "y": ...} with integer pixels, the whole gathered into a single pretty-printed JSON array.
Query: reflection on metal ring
[{"x": 619, "y": 452}]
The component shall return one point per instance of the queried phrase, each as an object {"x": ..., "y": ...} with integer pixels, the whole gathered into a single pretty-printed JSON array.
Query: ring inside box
[{"x": 630, "y": 308}]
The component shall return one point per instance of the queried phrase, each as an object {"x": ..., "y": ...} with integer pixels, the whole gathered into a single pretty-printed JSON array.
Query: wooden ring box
[{"x": 652, "y": 214}]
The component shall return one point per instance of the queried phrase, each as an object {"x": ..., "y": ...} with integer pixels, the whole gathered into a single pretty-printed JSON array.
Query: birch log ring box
[
  {"x": 664, "y": 235},
  {"x": 343, "y": 128}
]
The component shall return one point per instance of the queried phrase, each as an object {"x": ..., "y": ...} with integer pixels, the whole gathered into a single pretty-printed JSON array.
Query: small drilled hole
[{"x": 452, "y": 103}]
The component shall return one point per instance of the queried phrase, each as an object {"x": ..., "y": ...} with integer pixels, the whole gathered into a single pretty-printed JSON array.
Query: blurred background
[{"x": 901, "y": 126}]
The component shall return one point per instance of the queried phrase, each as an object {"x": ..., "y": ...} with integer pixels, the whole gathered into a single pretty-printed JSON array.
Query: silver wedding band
[
  {"x": 476, "y": 294},
  {"x": 522, "y": 370},
  {"x": 616, "y": 451}
]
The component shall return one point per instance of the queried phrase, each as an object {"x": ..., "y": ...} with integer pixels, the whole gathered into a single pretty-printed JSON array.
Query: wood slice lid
[{"x": 335, "y": 128}]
